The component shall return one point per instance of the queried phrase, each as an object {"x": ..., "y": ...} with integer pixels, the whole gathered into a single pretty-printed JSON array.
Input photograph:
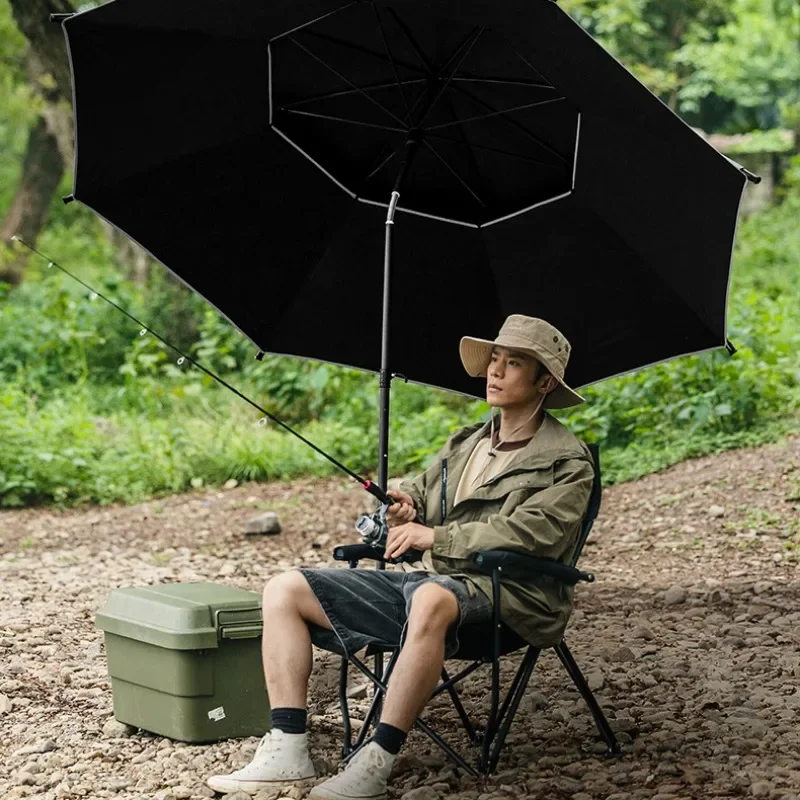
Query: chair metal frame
[{"x": 490, "y": 740}]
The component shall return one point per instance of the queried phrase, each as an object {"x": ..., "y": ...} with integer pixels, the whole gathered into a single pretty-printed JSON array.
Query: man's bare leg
[
  {"x": 288, "y": 606},
  {"x": 419, "y": 666}
]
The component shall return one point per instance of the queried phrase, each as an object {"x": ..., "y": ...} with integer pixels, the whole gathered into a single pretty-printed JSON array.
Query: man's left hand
[{"x": 411, "y": 536}]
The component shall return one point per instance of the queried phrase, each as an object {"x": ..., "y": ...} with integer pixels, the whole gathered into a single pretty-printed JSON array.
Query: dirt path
[{"x": 690, "y": 636}]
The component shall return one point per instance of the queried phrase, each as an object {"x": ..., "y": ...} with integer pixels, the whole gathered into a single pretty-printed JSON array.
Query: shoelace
[{"x": 374, "y": 758}]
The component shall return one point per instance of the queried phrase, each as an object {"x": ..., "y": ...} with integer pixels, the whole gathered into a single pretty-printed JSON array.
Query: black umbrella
[{"x": 263, "y": 152}]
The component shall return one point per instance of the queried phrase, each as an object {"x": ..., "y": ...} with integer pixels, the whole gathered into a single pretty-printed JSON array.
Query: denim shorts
[{"x": 371, "y": 607}]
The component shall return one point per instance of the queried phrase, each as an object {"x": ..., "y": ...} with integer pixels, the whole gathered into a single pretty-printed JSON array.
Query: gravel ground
[{"x": 689, "y": 638}]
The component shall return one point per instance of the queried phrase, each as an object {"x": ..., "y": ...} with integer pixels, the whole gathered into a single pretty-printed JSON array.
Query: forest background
[{"x": 90, "y": 411}]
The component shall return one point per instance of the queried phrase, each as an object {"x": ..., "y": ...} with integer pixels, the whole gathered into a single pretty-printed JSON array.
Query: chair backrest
[{"x": 594, "y": 504}]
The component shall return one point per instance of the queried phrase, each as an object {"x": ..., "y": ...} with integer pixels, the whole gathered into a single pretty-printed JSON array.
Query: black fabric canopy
[{"x": 252, "y": 147}]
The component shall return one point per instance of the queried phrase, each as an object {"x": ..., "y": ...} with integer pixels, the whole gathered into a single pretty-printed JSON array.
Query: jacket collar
[{"x": 549, "y": 444}]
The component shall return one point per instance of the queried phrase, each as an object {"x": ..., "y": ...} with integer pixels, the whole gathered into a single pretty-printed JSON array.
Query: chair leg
[
  {"x": 347, "y": 745},
  {"x": 565, "y": 656},
  {"x": 511, "y": 704},
  {"x": 459, "y": 706}
]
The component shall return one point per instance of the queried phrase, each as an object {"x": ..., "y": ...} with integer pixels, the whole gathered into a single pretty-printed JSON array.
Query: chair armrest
[
  {"x": 355, "y": 552},
  {"x": 520, "y": 565}
]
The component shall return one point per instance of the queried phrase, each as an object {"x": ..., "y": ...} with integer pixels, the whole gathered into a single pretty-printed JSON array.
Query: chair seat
[{"x": 476, "y": 642}]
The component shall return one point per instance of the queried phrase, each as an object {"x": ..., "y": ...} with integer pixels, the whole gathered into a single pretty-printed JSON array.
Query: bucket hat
[{"x": 529, "y": 335}]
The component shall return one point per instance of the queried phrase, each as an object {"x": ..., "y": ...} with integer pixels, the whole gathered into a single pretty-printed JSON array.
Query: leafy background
[{"x": 90, "y": 411}]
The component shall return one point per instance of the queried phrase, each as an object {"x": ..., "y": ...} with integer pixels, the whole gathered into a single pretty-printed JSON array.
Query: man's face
[{"x": 511, "y": 379}]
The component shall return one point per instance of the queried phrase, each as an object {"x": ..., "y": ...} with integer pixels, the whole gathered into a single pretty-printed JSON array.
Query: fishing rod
[{"x": 373, "y": 488}]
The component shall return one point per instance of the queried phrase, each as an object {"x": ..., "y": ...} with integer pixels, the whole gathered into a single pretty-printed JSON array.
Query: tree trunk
[
  {"x": 50, "y": 146},
  {"x": 46, "y": 38},
  {"x": 41, "y": 174}
]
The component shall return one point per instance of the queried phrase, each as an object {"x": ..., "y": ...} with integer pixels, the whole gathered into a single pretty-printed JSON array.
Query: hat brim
[{"x": 477, "y": 353}]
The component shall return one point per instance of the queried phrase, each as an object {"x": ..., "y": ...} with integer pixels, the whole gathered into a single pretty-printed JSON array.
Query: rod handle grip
[{"x": 376, "y": 491}]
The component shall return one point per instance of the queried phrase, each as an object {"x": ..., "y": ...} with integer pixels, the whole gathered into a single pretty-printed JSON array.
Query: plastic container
[{"x": 185, "y": 660}]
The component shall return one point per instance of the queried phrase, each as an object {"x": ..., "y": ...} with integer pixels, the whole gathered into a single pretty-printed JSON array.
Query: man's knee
[
  {"x": 433, "y": 610},
  {"x": 286, "y": 589}
]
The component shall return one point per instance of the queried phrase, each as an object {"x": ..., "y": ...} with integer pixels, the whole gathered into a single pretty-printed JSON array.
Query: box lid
[{"x": 182, "y": 616}]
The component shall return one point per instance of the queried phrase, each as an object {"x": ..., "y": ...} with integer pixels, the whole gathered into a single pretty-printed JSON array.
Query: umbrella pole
[{"x": 385, "y": 374}]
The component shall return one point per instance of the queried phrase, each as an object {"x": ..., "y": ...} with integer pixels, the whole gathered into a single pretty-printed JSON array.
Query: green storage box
[{"x": 185, "y": 660}]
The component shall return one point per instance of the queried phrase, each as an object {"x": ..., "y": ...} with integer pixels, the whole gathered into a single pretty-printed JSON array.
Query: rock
[
  {"x": 535, "y": 701},
  {"x": 237, "y": 795},
  {"x": 596, "y": 681},
  {"x": 230, "y": 484},
  {"x": 166, "y": 794},
  {"x": 182, "y": 793},
  {"x": 643, "y": 632},
  {"x": 622, "y": 654},
  {"x": 761, "y": 789},
  {"x": 420, "y": 793},
  {"x": 264, "y": 524},
  {"x": 113, "y": 729},
  {"x": 65, "y": 676},
  {"x": 716, "y": 511},
  {"x": 5, "y": 704},
  {"x": 359, "y": 691},
  {"x": 675, "y": 595}
]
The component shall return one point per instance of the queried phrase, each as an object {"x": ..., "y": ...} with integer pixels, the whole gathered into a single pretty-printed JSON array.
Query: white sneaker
[
  {"x": 364, "y": 777},
  {"x": 280, "y": 759}
]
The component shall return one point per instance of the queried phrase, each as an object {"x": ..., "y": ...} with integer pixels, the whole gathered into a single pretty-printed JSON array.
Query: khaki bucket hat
[{"x": 528, "y": 335}]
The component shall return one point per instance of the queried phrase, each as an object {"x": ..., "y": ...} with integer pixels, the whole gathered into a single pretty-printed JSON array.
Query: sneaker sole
[
  {"x": 321, "y": 793},
  {"x": 251, "y": 787}
]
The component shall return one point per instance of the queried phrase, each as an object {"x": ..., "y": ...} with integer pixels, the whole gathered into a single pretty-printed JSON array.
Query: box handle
[{"x": 240, "y": 632}]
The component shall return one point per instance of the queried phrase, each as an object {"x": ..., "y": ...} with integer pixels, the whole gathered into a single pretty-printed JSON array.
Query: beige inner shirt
[{"x": 480, "y": 468}]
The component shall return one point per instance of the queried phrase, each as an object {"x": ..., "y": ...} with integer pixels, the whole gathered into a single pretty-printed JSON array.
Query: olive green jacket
[{"x": 536, "y": 507}]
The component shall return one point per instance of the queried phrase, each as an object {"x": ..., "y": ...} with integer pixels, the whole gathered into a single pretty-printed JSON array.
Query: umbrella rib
[
  {"x": 505, "y": 82},
  {"x": 346, "y": 80},
  {"x": 467, "y": 46},
  {"x": 514, "y": 124},
  {"x": 382, "y": 164},
  {"x": 526, "y": 62},
  {"x": 359, "y": 48},
  {"x": 502, "y": 112},
  {"x": 343, "y": 119},
  {"x": 346, "y": 92},
  {"x": 453, "y": 172},
  {"x": 520, "y": 156},
  {"x": 391, "y": 60},
  {"x": 427, "y": 66}
]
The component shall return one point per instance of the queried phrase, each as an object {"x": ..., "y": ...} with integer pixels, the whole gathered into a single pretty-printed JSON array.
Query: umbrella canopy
[{"x": 252, "y": 147}]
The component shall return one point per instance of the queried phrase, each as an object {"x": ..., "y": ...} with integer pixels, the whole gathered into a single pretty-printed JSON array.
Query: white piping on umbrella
[
  {"x": 733, "y": 248},
  {"x": 525, "y": 210},
  {"x": 575, "y": 155},
  {"x": 311, "y": 22},
  {"x": 653, "y": 364},
  {"x": 417, "y": 213},
  {"x": 269, "y": 80},
  {"x": 315, "y": 163}
]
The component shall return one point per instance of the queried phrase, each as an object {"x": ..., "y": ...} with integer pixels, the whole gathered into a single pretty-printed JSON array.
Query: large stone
[
  {"x": 675, "y": 595},
  {"x": 5, "y": 704},
  {"x": 264, "y": 524},
  {"x": 421, "y": 793},
  {"x": 113, "y": 729}
]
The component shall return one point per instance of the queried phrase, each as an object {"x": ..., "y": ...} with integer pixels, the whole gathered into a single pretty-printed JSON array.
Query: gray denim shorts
[{"x": 369, "y": 606}]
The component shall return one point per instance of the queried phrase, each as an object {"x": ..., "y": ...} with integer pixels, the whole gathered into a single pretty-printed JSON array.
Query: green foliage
[
  {"x": 93, "y": 412},
  {"x": 725, "y": 66},
  {"x": 90, "y": 411}
]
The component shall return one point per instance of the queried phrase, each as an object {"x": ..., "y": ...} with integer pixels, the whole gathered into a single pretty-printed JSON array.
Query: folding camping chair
[{"x": 502, "y": 641}]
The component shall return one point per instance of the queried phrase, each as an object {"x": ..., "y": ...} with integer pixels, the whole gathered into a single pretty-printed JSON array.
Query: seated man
[{"x": 521, "y": 485}]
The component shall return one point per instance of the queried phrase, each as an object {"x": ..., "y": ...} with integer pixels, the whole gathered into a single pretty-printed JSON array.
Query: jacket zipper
[{"x": 444, "y": 490}]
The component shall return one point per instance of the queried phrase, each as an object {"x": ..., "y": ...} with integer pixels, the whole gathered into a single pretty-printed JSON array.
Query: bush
[{"x": 93, "y": 412}]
